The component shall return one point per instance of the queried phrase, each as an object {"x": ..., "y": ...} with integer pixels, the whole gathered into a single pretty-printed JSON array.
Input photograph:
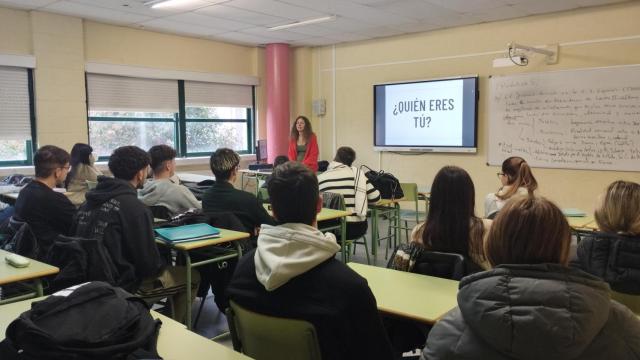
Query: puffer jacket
[
  {"x": 543, "y": 311},
  {"x": 613, "y": 258}
]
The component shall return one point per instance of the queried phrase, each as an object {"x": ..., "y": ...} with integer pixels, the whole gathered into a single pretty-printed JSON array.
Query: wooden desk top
[
  {"x": 225, "y": 237},
  {"x": 324, "y": 214},
  {"x": 585, "y": 222},
  {"x": 385, "y": 203},
  {"x": 414, "y": 296},
  {"x": 10, "y": 274},
  {"x": 175, "y": 342}
]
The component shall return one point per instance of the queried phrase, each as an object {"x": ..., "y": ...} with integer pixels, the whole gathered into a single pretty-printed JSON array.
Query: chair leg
[
  {"x": 366, "y": 249},
  {"x": 195, "y": 322},
  {"x": 406, "y": 230}
]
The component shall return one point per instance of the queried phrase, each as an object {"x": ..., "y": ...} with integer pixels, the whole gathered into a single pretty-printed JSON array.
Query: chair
[
  {"x": 336, "y": 201},
  {"x": 444, "y": 265},
  {"x": 160, "y": 212},
  {"x": 271, "y": 338},
  {"x": 263, "y": 195},
  {"x": 628, "y": 300},
  {"x": 410, "y": 191}
]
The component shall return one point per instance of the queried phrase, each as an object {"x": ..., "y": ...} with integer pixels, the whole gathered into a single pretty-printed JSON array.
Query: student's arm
[
  {"x": 141, "y": 241},
  {"x": 62, "y": 213},
  {"x": 370, "y": 340},
  {"x": 190, "y": 199}
]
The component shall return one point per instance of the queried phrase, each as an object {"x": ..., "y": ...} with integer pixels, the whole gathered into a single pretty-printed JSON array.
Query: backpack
[
  {"x": 387, "y": 184},
  {"x": 91, "y": 321}
]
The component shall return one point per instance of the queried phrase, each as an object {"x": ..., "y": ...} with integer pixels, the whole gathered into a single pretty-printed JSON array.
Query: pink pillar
[{"x": 277, "y": 58}]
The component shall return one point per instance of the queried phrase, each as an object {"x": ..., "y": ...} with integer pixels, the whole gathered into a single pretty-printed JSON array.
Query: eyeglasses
[{"x": 500, "y": 174}]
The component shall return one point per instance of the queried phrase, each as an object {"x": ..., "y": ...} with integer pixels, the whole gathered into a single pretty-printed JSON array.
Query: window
[
  {"x": 17, "y": 119},
  {"x": 196, "y": 118}
]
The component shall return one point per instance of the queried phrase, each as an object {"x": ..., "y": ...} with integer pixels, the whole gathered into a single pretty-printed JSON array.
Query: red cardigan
[{"x": 310, "y": 156}]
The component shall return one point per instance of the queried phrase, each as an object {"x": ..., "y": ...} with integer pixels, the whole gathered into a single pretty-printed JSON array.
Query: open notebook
[{"x": 185, "y": 233}]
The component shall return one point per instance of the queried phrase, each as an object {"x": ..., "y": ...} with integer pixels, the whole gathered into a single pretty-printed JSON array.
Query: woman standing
[
  {"x": 82, "y": 170},
  {"x": 516, "y": 179},
  {"x": 303, "y": 145}
]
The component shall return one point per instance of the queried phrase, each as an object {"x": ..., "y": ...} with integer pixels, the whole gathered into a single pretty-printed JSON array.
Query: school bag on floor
[{"x": 92, "y": 321}]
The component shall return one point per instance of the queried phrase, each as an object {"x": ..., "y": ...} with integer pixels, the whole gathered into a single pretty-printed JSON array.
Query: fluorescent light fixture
[
  {"x": 303, "y": 23},
  {"x": 163, "y": 3}
]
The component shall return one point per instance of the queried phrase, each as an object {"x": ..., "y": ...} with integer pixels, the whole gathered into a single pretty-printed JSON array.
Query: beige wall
[
  {"x": 358, "y": 66},
  {"x": 15, "y": 32}
]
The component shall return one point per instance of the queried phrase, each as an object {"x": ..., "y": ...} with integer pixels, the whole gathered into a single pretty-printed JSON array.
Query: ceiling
[{"x": 246, "y": 21}]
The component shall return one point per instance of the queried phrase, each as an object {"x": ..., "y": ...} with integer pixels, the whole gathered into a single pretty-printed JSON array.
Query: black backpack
[
  {"x": 92, "y": 321},
  {"x": 387, "y": 184}
]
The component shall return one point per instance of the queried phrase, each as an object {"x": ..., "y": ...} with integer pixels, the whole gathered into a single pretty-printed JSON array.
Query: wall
[{"x": 587, "y": 37}]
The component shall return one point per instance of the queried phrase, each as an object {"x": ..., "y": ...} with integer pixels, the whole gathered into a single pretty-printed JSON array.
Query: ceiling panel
[
  {"x": 275, "y": 8},
  {"x": 26, "y": 4},
  {"x": 181, "y": 28},
  {"x": 242, "y": 15},
  {"x": 466, "y": 6},
  {"x": 501, "y": 13},
  {"x": 243, "y": 38},
  {"x": 95, "y": 12},
  {"x": 208, "y": 21},
  {"x": 282, "y": 35},
  {"x": 544, "y": 6},
  {"x": 138, "y": 7}
]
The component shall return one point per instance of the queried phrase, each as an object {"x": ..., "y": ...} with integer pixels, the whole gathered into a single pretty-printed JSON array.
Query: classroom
[{"x": 205, "y": 75}]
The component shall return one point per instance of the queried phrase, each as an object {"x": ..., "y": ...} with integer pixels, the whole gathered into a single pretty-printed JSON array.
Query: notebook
[
  {"x": 186, "y": 233},
  {"x": 571, "y": 212}
]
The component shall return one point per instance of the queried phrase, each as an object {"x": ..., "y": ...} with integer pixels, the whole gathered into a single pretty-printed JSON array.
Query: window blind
[
  {"x": 213, "y": 94},
  {"x": 14, "y": 104},
  {"x": 119, "y": 93}
]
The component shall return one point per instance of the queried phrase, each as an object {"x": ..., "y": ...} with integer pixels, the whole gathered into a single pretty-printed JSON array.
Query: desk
[
  {"x": 331, "y": 214},
  {"x": 414, "y": 296},
  {"x": 35, "y": 271},
  {"x": 194, "y": 178},
  {"x": 9, "y": 198},
  {"x": 584, "y": 222},
  {"x": 174, "y": 341},
  {"x": 226, "y": 236}
]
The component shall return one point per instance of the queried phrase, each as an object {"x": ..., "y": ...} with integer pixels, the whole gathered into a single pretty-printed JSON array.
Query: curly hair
[{"x": 126, "y": 161}]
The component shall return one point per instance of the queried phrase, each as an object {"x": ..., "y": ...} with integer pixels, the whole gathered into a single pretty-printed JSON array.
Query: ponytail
[{"x": 519, "y": 175}]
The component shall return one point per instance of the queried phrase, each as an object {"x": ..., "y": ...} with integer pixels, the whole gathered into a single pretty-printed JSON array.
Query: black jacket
[
  {"x": 331, "y": 296},
  {"x": 47, "y": 212},
  {"x": 112, "y": 211},
  {"x": 613, "y": 258},
  {"x": 543, "y": 311},
  {"x": 222, "y": 196}
]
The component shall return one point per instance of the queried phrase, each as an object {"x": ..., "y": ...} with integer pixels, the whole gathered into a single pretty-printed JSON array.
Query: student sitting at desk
[
  {"x": 532, "y": 305},
  {"x": 82, "y": 170},
  {"x": 452, "y": 225},
  {"x": 350, "y": 182},
  {"x": 293, "y": 273},
  {"x": 112, "y": 211},
  {"x": 162, "y": 190},
  {"x": 614, "y": 254},
  {"x": 48, "y": 213},
  {"x": 222, "y": 196},
  {"x": 516, "y": 179}
]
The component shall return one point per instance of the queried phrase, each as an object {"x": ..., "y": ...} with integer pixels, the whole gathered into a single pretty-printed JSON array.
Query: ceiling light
[
  {"x": 163, "y": 3},
  {"x": 303, "y": 23}
]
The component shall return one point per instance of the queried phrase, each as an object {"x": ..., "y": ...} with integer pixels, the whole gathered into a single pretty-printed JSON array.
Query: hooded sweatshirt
[
  {"x": 543, "y": 311},
  {"x": 163, "y": 192},
  {"x": 114, "y": 213},
  {"x": 293, "y": 273}
]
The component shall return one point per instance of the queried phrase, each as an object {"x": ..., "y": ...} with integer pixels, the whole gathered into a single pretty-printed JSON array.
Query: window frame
[
  {"x": 180, "y": 124},
  {"x": 30, "y": 147}
]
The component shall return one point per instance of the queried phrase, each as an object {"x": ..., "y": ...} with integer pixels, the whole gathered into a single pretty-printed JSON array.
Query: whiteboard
[{"x": 574, "y": 119}]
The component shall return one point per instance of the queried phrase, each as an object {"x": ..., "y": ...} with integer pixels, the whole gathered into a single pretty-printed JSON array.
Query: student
[
  {"x": 222, "y": 196},
  {"x": 531, "y": 305},
  {"x": 112, "y": 211},
  {"x": 162, "y": 191},
  {"x": 614, "y": 253},
  {"x": 303, "y": 144},
  {"x": 279, "y": 160},
  {"x": 452, "y": 225},
  {"x": 48, "y": 213},
  {"x": 516, "y": 178},
  {"x": 293, "y": 273},
  {"x": 350, "y": 182},
  {"x": 82, "y": 170}
]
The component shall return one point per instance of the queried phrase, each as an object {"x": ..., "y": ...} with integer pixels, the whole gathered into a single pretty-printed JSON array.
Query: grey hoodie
[
  {"x": 543, "y": 311},
  {"x": 289, "y": 250},
  {"x": 163, "y": 192}
]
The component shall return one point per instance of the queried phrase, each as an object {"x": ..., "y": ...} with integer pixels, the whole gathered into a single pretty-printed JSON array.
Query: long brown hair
[
  {"x": 518, "y": 175},
  {"x": 619, "y": 211},
  {"x": 452, "y": 225},
  {"x": 529, "y": 230},
  {"x": 307, "y": 129}
]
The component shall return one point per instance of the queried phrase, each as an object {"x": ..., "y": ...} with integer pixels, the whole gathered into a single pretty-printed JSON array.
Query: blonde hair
[
  {"x": 518, "y": 175},
  {"x": 619, "y": 211}
]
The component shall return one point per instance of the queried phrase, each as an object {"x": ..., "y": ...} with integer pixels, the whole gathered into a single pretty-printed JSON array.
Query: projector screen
[{"x": 434, "y": 115}]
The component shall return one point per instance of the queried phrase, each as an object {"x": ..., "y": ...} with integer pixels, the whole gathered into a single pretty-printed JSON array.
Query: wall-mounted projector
[{"x": 516, "y": 60}]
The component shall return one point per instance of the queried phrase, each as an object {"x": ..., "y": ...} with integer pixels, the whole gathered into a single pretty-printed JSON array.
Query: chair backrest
[
  {"x": 266, "y": 337},
  {"x": 333, "y": 201},
  {"x": 160, "y": 212},
  {"x": 444, "y": 265},
  {"x": 263, "y": 195},
  {"x": 410, "y": 191}
]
